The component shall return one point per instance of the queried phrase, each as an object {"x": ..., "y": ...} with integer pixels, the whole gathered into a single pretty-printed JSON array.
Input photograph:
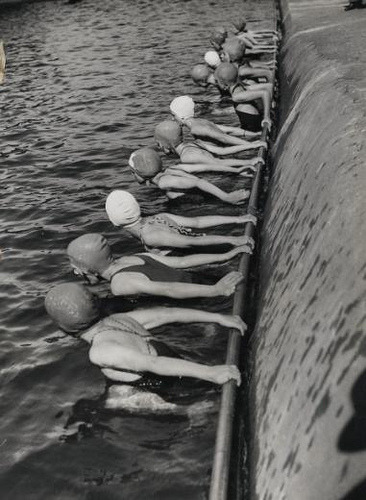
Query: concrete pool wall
[{"x": 308, "y": 382}]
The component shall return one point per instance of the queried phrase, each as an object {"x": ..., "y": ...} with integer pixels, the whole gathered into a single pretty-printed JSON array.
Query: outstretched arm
[
  {"x": 187, "y": 182},
  {"x": 113, "y": 359},
  {"x": 210, "y": 167},
  {"x": 188, "y": 261},
  {"x": 136, "y": 283},
  {"x": 245, "y": 71},
  {"x": 232, "y": 149},
  {"x": 231, "y": 130},
  {"x": 158, "y": 316},
  {"x": 175, "y": 240},
  {"x": 203, "y": 221}
]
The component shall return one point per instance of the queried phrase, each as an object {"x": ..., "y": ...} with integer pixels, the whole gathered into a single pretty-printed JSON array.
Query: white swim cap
[
  {"x": 122, "y": 208},
  {"x": 182, "y": 107},
  {"x": 212, "y": 58}
]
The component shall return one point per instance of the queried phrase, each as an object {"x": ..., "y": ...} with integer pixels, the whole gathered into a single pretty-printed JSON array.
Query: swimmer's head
[
  {"x": 212, "y": 59},
  {"x": 145, "y": 163},
  {"x": 72, "y": 307},
  {"x": 240, "y": 24},
  {"x": 200, "y": 74},
  {"x": 218, "y": 37},
  {"x": 168, "y": 134},
  {"x": 90, "y": 255},
  {"x": 182, "y": 108},
  {"x": 122, "y": 208},
  {"x": 226, "y": 75},
  {"x": 234, "y": 49}
]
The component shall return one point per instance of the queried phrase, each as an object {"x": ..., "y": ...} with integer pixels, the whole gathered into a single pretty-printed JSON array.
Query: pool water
[{"x": 86, "y": 83}]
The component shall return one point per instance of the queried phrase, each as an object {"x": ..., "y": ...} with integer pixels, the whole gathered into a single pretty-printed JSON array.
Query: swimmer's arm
[
  {"x": 208, "y": 167},
  {"x": 251, "y": 95},
  {"x": 135, "y": 283},
  {"x": 158, "y": 316},
  {"x": 176, "y": 240},
  {"x": 239, "y": 132},
  {"x": 204, "y": 221},
  {"x": 219, "y": 374},
  {"x": 112, "y": 358},
  {"x": 216, "y": 134},
  {"x": 189, "y": 261},
  {"x": 227, "y": 150},
  {"x": 187, "y": 181},
  {"x": 245, "y": 71},
  {"x": 231, "y": 130}
]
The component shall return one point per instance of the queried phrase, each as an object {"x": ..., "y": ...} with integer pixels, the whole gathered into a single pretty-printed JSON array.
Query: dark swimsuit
[
  {"x": 156, "y": 271},
  {"x": 147, "y": 380},
  {"x": 249, "y": 121}
]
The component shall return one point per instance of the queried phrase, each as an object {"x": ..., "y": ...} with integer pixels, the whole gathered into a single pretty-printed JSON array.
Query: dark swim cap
[
  {"x": 200, "y": 73},
  {"x": 234, "y": 48},
  {"x": 73, "y": 307},
  {"x": 218, "y": 37},
  {"x": 146, "y": 162},
  {"x": 226, "y": 74},
  {"x": 240, "y": 23},
  {"x": 168, "y": 133},
  {"x": 90, "y": 252}
]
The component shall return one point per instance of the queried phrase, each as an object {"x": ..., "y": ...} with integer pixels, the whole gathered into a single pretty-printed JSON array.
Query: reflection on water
[{"x": 85, "y": 86}]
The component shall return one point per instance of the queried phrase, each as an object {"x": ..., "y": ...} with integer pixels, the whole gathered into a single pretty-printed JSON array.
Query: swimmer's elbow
[{"x": 95, "y": 357}]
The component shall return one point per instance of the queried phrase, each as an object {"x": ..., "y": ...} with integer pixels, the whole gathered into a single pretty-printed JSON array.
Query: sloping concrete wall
[{"x": 308, "y": 396}]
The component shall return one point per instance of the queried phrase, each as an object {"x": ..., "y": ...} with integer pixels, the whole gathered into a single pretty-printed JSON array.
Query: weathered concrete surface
[{"x": 308, "y": 386}]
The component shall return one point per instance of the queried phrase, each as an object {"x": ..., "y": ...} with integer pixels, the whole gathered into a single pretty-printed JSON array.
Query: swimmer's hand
[
  {"x": 268, "y": 122},
  {"x": 247, "y": 170},
  {"x": 227, "y": 285},
  {"x": 258, "y": 159},
  {"x": 238, "y": 250},
  {"x": 223, "y": 373},
  {"x": 239, "y": 196},
  {"x": 248, "y": 218},
  {"x": 236, "y": 322},
  {"x": 241, "y": 240}
]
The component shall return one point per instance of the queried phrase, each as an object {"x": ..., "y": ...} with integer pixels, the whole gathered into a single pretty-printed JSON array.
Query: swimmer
[
  {"x": 202, "y": 75},
  {"x": 195, "y": 156},
  {"x": 252, "y": 103},
  {"x": 147, "y": 274},
  {"x": 165, "y": 231},
  {"x": 121, "y": 345},
  {"x": 218, "y": 37},
  {"x": 240, "y": 24},
  {"x": 147, "y": 167},
  {"x": 182, "y": 108},
  {"x": 256, "y": 44}
]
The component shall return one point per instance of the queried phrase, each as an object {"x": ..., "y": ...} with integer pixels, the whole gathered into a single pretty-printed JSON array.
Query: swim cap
[
  {"x": 226, "y": 74},
  {"x": 90, "y": 252},
  {"x": 218, "y": 37},
  {"x": 200, "y": 73},
  {"x": 168, "y": 134},
  {"x": 72, "y": 306},
  {"x": 240, "y": 23},
  {"x": 212, "y": 58},
  {"x": 182, "y": 107},
  {"x": 146, "y": 162},
  {"x": 122, "y": 208},
  {"x": 234, "y": 48}
]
